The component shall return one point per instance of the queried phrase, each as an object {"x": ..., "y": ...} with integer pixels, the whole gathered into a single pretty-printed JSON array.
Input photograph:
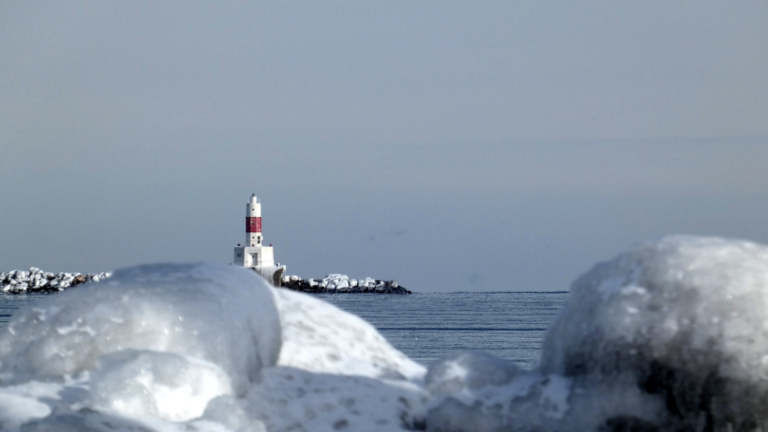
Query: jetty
[
  {"x": 36, "y": 280},
  {"x": 338, "y": 283}
]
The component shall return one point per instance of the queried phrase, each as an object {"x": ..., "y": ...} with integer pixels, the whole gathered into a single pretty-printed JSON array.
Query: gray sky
[{"x": 447, "y": 145}]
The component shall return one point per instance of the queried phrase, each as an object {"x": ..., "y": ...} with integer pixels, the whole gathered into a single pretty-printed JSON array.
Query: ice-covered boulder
[
  {"x": 669, "y": 336},
  {"x": 319, "y": 337},
  {"x": 683, "y": 320},
  {"x": 220, "y": 314}
]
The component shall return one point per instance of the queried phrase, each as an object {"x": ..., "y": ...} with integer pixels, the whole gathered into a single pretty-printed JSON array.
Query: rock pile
[
  {"x": 34, "y": 279},
  {"x": 338, "y": 283}
]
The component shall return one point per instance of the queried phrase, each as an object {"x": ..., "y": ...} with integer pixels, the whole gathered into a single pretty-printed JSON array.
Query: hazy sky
[{"x": 446, "y": 145}]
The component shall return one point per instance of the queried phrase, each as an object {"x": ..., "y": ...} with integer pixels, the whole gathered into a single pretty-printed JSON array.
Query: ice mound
[
  {"x": 684, "y": 320},
  {"x": 320, "y": 337},
  {"x": 669, "y": 336},
  {"x": 220, "y": 314},
  {"x": 195, "y": 348}
]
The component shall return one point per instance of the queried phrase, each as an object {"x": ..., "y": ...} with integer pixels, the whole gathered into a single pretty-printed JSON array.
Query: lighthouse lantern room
[{"x": 254, "y": 254}]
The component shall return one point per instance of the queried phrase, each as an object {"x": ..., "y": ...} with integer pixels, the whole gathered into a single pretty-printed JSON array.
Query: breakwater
[
  {"x": 339, "y": 283},
  {"x": 36, "y": 280}
]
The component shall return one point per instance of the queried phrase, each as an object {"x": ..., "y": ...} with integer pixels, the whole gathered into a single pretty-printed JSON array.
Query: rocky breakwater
[
  {"x": 338, "y": 283},
  {"x": 36, "y": 280}
]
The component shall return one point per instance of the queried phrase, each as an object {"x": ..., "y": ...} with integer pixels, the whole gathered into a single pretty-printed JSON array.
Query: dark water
[
  {"x": 509, "y": 325},
  {"x": 10, "y": 302}
]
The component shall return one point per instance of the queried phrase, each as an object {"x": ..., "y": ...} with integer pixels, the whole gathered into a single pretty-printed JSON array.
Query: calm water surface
[{"x": 509, "y": 325}]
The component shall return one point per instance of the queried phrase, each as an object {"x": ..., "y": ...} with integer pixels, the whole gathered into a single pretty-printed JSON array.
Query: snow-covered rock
[
  {"x": 38, "y": 280},
  {"x": 669, "y": 336},
  {"x": 338, "y": 283},
  {"x": 685, "y": 320}
]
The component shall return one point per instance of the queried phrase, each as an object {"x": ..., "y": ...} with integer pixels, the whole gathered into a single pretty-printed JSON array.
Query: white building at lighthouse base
[{"x": 262, "y": 260}]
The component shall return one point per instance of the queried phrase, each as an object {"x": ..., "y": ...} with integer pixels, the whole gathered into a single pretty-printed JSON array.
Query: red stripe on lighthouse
[{"x": 253, "y": 224}]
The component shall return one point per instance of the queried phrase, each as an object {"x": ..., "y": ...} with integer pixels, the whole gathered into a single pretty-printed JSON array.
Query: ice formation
[
  {"x": 671, "y": 335},
  {"x": 214, "y": 313},
  {"x": 685, "y": 320}
]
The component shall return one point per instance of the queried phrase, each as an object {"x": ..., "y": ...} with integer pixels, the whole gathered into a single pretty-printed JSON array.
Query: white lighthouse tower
[{"x": 254, "y": 255}]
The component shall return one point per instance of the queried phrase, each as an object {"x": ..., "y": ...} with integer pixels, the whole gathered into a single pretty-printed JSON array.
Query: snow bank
[
  {"x": 320, "y": 337},
  {"x": 292, "y": 399}
]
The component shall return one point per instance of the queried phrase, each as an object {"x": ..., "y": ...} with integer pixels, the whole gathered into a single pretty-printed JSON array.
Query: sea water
[
  {"x": 426, "y": 326},
  {"x": 510, "y": 325}
]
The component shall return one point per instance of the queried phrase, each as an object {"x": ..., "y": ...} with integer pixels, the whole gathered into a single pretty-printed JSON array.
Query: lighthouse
[
  {"x": 253, "y": 222},
  {"x": 254, "y": 254}
]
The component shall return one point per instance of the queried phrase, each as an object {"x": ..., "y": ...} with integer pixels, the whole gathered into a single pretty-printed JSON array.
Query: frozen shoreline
[{"x": 667, "y": 336}]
